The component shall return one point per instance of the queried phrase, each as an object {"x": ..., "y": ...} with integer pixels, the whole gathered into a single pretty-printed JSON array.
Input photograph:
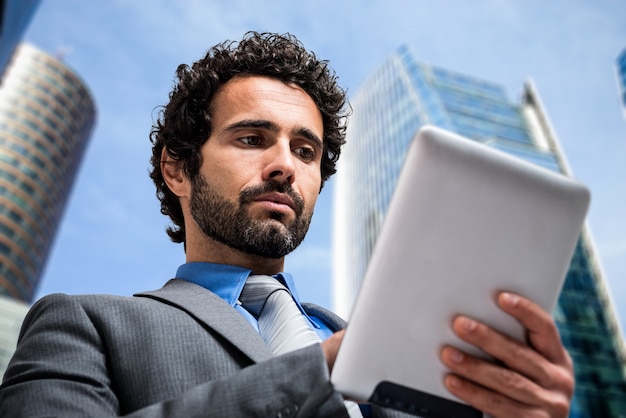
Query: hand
[
  {"x": 534, "y": 380},
  {"x": 331, "y": 346}
]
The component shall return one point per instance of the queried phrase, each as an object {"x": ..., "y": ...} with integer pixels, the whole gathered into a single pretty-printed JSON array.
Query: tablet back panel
[{"x": 465, "y": 222}]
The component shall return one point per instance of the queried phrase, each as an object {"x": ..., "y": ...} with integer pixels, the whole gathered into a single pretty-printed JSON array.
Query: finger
[
  {"x": 331, "y": 346},
  {"x": 543, "y": 334},
  {"x": 515, "y": 355},
  {"x": 480, "y": 398},
  {"x": 492, "y": 377},
  {"x": 497, "y": 405}
]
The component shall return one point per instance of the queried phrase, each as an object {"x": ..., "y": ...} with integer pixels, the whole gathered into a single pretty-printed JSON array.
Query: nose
[{"x": 280, "y": 164}]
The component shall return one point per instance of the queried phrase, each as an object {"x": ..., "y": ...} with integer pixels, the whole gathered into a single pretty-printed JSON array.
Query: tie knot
[{"x": 256, "y": 291}]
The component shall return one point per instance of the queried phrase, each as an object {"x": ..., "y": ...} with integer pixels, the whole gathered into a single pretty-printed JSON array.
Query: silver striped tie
[{"x": 281, "y": 324}]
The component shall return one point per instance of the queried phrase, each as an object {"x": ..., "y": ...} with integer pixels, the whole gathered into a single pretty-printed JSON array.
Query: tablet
[{"x": 465, "y": 222}]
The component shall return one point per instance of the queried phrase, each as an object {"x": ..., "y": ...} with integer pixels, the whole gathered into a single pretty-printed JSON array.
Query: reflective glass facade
[
  {"x": 388, "y": 109},
  {"x": 46, "y": 117},
  {"x": 14, "y": 18},
  {"x": 12, "y": 314},
  {"x": 621, "y": 78}
]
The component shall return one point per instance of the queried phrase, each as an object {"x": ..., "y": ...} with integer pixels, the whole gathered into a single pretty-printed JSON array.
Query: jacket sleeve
[{"x": 61, "y": 368}]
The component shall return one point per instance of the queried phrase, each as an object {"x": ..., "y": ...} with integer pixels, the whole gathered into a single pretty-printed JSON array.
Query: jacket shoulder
[{"x": 332, "y": 320}]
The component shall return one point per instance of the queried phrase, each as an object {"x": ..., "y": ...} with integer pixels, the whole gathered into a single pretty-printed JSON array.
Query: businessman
[{"x": 239, "y": 155}]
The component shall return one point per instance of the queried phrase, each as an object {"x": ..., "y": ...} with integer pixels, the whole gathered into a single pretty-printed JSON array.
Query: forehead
[{"x": 265, "y": 98}]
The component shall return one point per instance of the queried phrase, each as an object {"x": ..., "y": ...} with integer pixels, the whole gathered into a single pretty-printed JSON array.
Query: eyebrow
[{"x": 271, "y": 126}]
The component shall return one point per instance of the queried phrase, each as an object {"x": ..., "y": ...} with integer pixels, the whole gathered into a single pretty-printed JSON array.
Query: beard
[{"x": 232, "y": 225}]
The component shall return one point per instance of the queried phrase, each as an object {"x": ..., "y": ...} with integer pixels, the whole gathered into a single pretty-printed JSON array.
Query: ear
[{"x": 174, "y": 175}]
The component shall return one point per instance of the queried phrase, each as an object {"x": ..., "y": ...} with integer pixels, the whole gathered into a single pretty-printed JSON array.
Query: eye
[
  {"x": 305, "y": 153},
  {"x": 251, "y": 140}
]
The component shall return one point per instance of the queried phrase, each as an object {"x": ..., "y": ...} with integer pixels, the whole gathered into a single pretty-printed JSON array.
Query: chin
[{"x": 276, "y": 224}]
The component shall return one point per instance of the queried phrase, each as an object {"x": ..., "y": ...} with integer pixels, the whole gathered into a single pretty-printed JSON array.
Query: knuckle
[
  {"x": 493, "y": 402},
  {"x": 509, "y": 378},
  {"x": 569, "y": 363},
  {"x": 557, "y": 400},
  {"x": 560, "y": 407},
  {"x": 517, "y": 351},
  {"x": 568, "y": 385},
  {"x": 562, "y": 379}
]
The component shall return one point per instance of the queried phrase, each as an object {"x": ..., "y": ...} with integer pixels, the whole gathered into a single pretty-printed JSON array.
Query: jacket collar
[{"x": 209, "y": 309}]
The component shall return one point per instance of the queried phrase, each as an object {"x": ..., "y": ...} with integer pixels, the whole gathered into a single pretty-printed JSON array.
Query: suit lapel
[{"x": 210, "y": 309}]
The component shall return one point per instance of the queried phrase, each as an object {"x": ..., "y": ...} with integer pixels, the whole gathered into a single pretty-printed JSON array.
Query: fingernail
[
  {"x": 454, "y": 382},
  {"x": 468, "y": 324},
  {"x": 456, "y": 356},
  {"x": 510, "y": 299}
]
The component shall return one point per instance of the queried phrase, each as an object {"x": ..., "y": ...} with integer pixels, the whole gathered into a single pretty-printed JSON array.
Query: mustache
[{"x": 248, "y": 195}]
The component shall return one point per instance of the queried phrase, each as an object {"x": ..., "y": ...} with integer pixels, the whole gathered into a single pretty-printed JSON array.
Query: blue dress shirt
[{"x": 227, "y": 282}]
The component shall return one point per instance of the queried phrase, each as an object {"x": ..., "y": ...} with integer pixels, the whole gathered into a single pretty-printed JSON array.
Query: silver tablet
[{"x": 465, "y": 222}]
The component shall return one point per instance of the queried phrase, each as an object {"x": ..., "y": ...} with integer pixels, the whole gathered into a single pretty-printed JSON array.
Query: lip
[{"x": 278, "y": 199}]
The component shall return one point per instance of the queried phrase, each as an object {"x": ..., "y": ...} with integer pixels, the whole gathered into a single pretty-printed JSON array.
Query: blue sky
[{"x": 112, "y": 237}]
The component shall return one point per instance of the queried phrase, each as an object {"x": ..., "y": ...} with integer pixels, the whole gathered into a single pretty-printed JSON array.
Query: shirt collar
[
  {"x": 227, "y": 281},
  {"x": 224, "y": 280}
]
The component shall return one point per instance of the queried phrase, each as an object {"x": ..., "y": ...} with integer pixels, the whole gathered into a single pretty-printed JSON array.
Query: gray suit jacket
[{"x": 180, "y": 351}]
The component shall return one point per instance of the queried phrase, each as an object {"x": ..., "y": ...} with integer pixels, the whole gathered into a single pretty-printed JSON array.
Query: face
[{"x": 260, "y": 174}]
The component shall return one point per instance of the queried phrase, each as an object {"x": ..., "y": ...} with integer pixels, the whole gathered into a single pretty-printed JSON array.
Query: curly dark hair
[{"x": 184, "y": 124}]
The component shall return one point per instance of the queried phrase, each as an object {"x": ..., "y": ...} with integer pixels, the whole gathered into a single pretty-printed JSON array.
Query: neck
[{"x": 212, "y": 251}]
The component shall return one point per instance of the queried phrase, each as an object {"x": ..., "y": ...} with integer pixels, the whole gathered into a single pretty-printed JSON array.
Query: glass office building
[
  {"x": 12, "y": 314},
  {"x": 14, "y": 18},
  {"x": 46, "y": 117},
  {"x": 388, "y": 109},
  {"x": 621, "y": 78}
]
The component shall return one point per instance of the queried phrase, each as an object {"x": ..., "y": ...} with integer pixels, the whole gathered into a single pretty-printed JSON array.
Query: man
[{"x": 240, "y": 154}]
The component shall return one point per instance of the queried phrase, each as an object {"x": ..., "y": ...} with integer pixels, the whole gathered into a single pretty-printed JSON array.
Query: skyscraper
[
  {"x": 14, "y": 18},
  {"x": 388, "y": 109},
  {"x": 46, "y": 117},
  {"x": 621, "y": 78}
]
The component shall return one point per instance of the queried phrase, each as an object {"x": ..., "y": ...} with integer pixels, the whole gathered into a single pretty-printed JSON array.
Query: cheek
[
  {"x": 228, "y": 174},
  {"x": 311, "y": 191}
]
